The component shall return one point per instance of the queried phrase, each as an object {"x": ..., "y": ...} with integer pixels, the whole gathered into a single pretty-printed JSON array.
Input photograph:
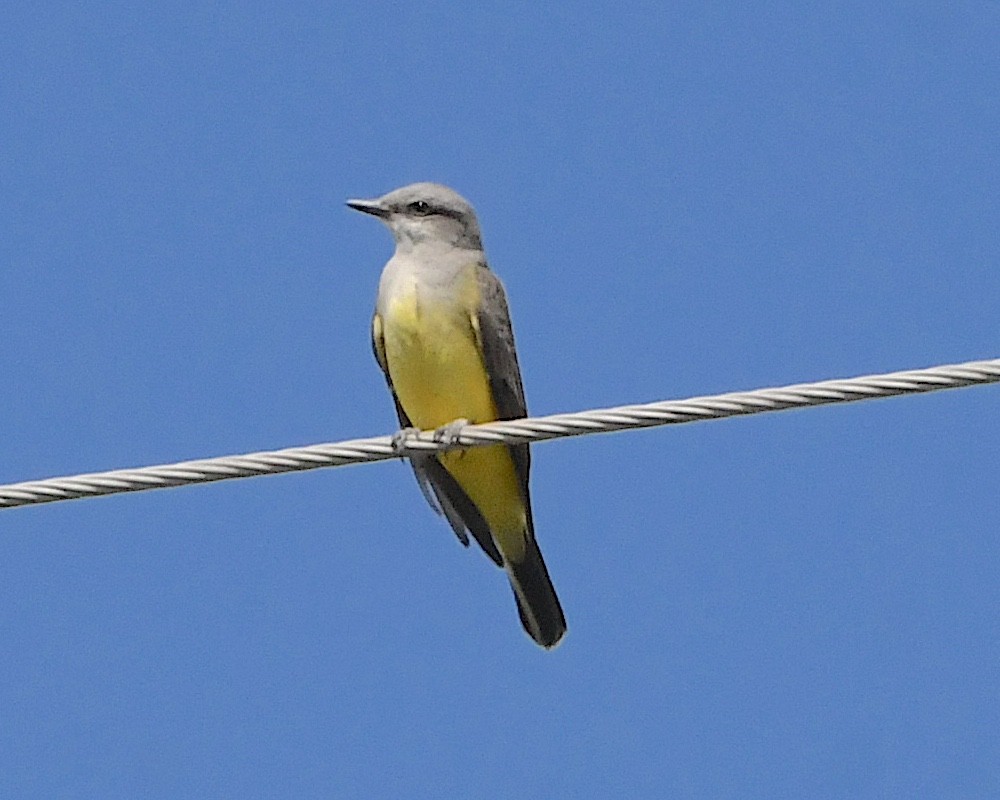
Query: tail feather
[{"x": 537, "y": 603}]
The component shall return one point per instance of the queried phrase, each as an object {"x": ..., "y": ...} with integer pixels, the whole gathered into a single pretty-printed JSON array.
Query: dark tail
[{"x": 541, "y": 614}]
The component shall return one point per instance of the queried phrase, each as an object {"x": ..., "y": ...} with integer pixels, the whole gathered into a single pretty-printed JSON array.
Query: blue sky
[{"x": 682, "y": 199}]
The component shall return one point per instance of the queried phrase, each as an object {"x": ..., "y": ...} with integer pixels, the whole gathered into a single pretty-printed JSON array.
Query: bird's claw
[
  {"x": 401, "y": 437},
  {"x": 446, "y": 434},
  {"x": 450, "y": 433}
]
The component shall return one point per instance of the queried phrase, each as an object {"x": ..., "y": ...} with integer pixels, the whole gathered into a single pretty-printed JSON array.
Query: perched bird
[{"x": 442, "y": 336}]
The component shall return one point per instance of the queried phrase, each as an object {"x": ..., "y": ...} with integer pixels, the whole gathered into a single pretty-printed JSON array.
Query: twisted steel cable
[{"x": 532, "y": 429}]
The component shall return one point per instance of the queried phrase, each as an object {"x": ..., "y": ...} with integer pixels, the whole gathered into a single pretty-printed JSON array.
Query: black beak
[{"x": 372, "y": 207}]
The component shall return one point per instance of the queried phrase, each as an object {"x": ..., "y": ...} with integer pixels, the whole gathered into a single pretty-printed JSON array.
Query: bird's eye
[{"x": 420, "y": 207}]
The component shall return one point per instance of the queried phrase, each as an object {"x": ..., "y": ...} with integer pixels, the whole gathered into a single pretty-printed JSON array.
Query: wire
[{"x": 532, "y": 429}]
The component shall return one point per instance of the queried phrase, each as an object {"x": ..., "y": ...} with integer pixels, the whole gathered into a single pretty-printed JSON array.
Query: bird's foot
[
  {"x": 401, "y": 437},
  {"x": 450, "y": 433}
]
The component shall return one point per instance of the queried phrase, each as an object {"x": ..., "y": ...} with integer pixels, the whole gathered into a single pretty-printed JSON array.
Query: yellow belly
[{"x": 438, "y": 375}]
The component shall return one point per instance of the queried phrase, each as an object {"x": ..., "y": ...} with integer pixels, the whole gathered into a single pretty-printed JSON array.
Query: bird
[{"x": 442, "y": 336}]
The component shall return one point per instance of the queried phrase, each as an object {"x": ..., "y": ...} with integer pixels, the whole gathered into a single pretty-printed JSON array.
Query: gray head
[{"x": 425, "y": 212}]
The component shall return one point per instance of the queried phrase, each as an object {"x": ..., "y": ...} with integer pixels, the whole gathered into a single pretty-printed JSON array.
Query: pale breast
[{"x": 433, "y": 357}]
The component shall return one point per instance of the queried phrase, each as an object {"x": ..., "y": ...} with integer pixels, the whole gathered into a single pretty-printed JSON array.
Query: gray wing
[{"x": 496, "y": 340}]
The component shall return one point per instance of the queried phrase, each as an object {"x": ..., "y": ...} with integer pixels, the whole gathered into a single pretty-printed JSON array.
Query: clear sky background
[{"x": 682, "y": 199}]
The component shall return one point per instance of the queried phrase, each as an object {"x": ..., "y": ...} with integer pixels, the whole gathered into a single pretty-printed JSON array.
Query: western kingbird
[{"x": 442, "y": 335}]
